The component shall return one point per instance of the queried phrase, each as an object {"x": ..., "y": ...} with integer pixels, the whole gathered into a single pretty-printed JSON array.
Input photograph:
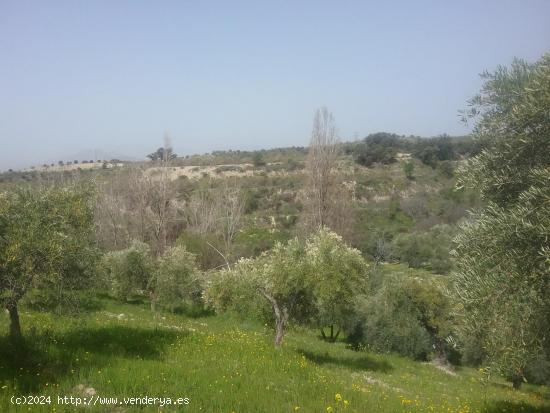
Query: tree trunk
[
  {"x": 15, "y": 326},
  {"x": 332, "y": 337},
  {"x": 153, "y": 300},
  {"x": 516, "y": 382},
  {"x": 281, "y": 318},
  {"x": 279, "y": 332}
]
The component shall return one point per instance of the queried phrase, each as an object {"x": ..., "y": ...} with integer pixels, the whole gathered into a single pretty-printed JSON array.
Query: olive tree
[
  {"x": 337, "y": 275},
  {"x": 45, "y": 240},
  {"x": 313, "y": 281},
  {"x": 277, "y": 277},
  {"x": 177, "y": 279},
  {"x": 503, "y": 251},
  {"x": 128, "y": 271}
]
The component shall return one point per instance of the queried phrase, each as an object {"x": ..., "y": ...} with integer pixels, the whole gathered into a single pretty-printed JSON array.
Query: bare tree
[
  {"x": 112, "y": 219},
  {"x": 162, "y": 198},
  {"x": 230, "y": 212},
  {"x": 201, "y": 212},
  {"x": 137, "y": 203},
  {"x": 321, "y": 203},
  {"x": 216, "y": 211},
  {"x": 139, "y": 195}
]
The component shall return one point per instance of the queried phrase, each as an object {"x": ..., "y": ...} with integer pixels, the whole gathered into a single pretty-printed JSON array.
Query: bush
[
  {"x": 177, "y": 281},
  {"x": 434, "y": 150},
  {"x": 377, "y": 148},
  {"x": 315, "y": 282},
  {"x": 127, "y": 271},
  {"x": 252, "y": 241},
  {"x": 258, "y": 159},
  {"x": 429, "y": 250},
  {"x": 337, "y": 275},
  {"x": 390, "y": 325},
  {"x": 408, "y": 169},
  {"x": 197, "y": 244},
  {"x": 407, "y": 315},
  {"x": 233, "y": 292},
  {"x": 228, "y": 168}
]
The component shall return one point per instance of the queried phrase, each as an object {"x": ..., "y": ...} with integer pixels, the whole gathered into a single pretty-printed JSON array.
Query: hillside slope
[{"x": 223, "y": 365}]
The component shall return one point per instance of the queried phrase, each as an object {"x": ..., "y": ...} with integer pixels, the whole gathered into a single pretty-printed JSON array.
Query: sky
[{"x": 118, "y": 75}]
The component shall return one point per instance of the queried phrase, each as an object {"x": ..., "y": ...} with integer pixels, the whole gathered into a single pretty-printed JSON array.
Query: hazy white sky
[{"x": 116, "y": 75}]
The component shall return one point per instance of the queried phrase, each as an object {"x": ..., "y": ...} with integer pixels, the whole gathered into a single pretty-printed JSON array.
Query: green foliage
[
  {"x": 391, "y": 325},
  {"x": 177, "y": 281},
  {"x": 408, "y": 169},
  {"x": 429, "y": 249},
  {"x": 236, "y": 293},
  {"x": 406, "y": 313},
  {"x": 46, "y": 242},
  {"x": 337, "y": 274},
  {"x": 377, "y": 148},
  {"x": 228, "y": 168},
  {"x": 144, "y": 354},
  {"x": 435, "y": 150},
  {"x": 313, "y": 281},
  {"x": 162, "y": 154},
  {"x": 376, "y": 227},
  {"x": 506, "y": 250},
  {"x": 253, "y": 240},
  {"x": 202, "y": 247},
  {"x": 237, "y": 156},
  {"x": 258, "y": 159},
  {"x": 502, "y": 252},
  {"x": 280, "y": 274},
  {"x": 512, "y": 114},
  {"x": 129, "y": 271},
  {"x": 446, "y": 168},
  {"x": 383, "y": 148}
]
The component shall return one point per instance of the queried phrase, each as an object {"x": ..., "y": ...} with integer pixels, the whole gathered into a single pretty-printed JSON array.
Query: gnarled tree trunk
[
  {"x": 281, "y": 318},
  {"x": 15, "y": 326}
]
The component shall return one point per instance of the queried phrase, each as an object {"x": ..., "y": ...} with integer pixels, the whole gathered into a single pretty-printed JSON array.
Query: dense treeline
[{"x": 386, "y": 148}]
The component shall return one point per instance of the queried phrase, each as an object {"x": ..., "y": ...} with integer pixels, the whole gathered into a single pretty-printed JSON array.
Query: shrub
[
  {"x": 252, "y": 241},
  {"x": 312, "y": 282},
  {"x": 391, "y": 325},
  {"x": 377, "y": 148},
  {"x": 177, "y": 282},
  {"x": 408, "y": 168},
  {"x": 201, "y": 245},
  {"x": 228, "y": 168},
  {"x": 127, "y": 271},
  {"x": 407, "y": 315},
  {"x": 235, "y": 293},
  {"x": 336, "y": 274},
  {"x": 258, "y": 159},
  {"x": 429, "y": 250}
]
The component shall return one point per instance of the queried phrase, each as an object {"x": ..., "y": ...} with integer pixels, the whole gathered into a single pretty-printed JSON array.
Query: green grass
[{"x": 224, "y": 365}]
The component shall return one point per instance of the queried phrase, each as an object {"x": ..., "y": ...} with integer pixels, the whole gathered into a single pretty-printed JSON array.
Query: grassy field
[{"x": 223, "y": 365}]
